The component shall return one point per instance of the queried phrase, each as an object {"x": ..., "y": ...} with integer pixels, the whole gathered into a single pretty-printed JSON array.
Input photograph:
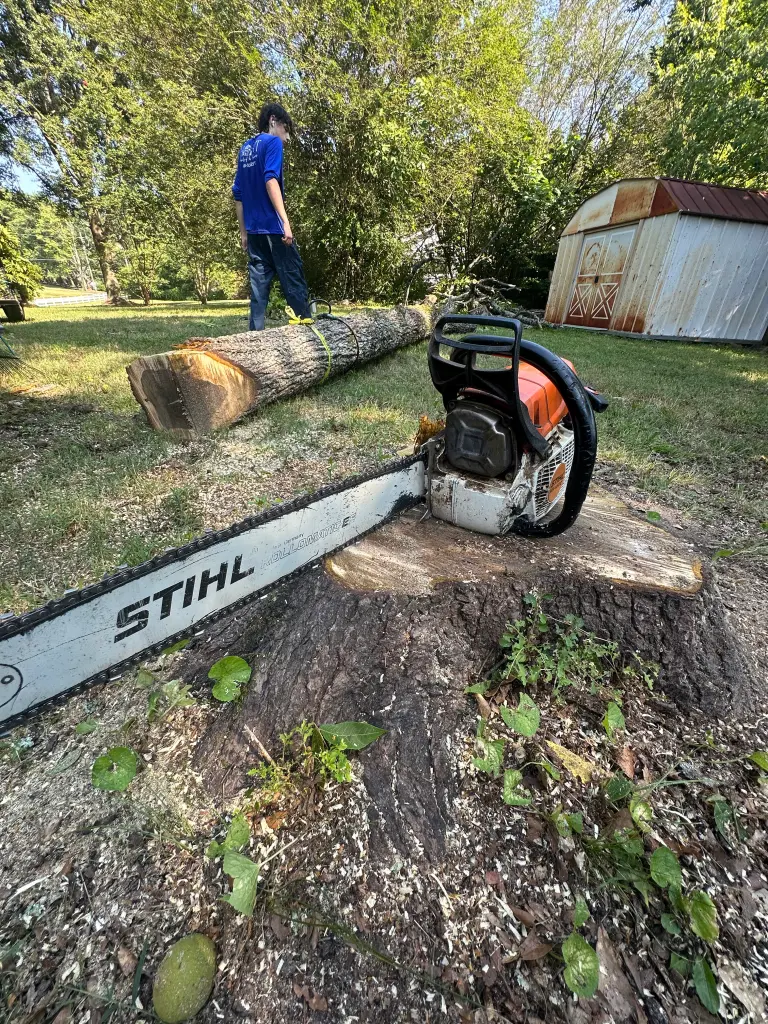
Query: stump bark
[
  {"x": 393, "y": 630},
  {"x": 209, "y": 383}
]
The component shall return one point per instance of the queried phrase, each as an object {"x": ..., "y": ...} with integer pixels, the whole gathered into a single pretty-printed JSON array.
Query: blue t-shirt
[{"x": 259, "y": 159}]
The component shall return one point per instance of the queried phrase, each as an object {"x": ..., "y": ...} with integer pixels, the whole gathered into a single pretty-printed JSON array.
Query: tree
[
  {"x": 711, "y": 81},
  {"x": 17, "y": 270}
]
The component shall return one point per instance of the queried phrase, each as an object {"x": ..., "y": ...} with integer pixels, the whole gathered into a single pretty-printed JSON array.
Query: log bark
[
  {"x": 395, "y": 627},
  {"x": 210, "y": 383}
]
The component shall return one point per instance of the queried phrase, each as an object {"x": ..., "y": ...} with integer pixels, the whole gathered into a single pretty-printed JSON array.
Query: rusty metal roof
[{"x": 721, "y": 201}]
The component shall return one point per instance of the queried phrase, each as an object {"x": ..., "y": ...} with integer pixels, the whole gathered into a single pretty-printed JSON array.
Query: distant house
[{"x": 666, "y": 258}]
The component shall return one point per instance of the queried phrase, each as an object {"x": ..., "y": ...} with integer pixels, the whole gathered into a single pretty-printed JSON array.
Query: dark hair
[{"x": 270, "y": 110}]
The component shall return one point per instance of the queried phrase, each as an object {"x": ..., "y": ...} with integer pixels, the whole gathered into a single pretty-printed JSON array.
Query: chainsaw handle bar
[
  {"x": 582, "y": 415},
  {"x": 451, "y": 376}
]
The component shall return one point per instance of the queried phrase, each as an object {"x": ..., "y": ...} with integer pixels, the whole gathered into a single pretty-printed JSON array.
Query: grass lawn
[{"x": 85, "y": 485}]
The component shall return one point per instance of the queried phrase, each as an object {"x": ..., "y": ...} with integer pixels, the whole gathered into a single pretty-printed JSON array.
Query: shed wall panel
[
  {"x": 562, "y": 278},
  {"x": 641, "y": 276},
  {"x": 714, "y": 281}
]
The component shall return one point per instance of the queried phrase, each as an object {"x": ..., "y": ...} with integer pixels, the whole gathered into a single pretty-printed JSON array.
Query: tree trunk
[
  {"x": 100, "y": 234},
  {"x": 213, "y": 382},
  {"x": 145, "y": 294},
  {"x": 398, "y": 625}
]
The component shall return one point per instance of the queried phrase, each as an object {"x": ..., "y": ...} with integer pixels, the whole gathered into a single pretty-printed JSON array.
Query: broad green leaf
[
  {"x": 144, "y": 679},
  {"x": 580, "y": 912},
  {"x": 576, "y": 822},
  {"x": 245, "y": 879},
  {"x": 494, "y": 754},
  {"x": 706, "y": 986},
  {"x": 582, "y": 971},
  {"x": 561, "y": 824},
  {"x": 680, "y": 964},
  {"x": 86, "y": 727},
  {"x": 665, "y": 868},
  {"x": 351, "y": 735},
  {"x": 228, "y": 674},
  {"x": 641, "y": 811},
  {"x": 479, "y": 687},
  {"x": 613, "y": 720},
  {"x": 550, "y": 769},
  {"x": 760, "y": 758},
  {"x": 114, "y": 770},
  {"x": 652, "y": 517},
  {"x": 618, "y": 788},
  {"x": 512, "y": 794},
  {"x": 676, "y": 898},
  {"x": 238, "y": 834},
  {"x": 178, "y": 646},
  {"x": 703, "y": 914},
  {"x": 723, "y": 816},
  {"x": 669, "y": 924},
  {"x": 723, "y": 553},
  {"x": 525, "y": 719}
]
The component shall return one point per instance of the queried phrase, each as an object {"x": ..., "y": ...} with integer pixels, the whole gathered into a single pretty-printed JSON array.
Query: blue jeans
[{"x": 269, "y": 255}]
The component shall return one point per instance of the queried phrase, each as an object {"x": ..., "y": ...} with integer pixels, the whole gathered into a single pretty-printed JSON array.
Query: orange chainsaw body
[{"x": 545, "y": 404}]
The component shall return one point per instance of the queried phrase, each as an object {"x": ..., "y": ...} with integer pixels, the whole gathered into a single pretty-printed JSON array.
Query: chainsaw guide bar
[{"x": 92, "y": 635}]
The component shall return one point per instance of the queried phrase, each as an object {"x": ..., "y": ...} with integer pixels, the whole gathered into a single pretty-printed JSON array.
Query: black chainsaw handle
[{"x": 582, "y": 416}]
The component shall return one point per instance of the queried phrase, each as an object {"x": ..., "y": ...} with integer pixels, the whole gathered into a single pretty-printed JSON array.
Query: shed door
[{"x": 603, "y": 259}]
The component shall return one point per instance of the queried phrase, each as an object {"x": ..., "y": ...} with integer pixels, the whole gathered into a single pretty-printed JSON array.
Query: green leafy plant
[
  {"x": 491, "y": 752},
  {"x": 525, "y": 719},
  {"x": 580, "y": 912},
  {"x": 760, "y": 758},
  {"x": 237, "y": 837},
  {"x": 582, "y": 966},
  {"x": 168, "y": 698},
  {"x": 229, "y": 674},
  {"x": 86, "y": 727},
  {"x": 115, "y": 770},
  {"x": 245, "y": 880},
  {"x": 513, "y": 793},
  {"x": 665, "y": 868},
  {"x": 613, "y": 721},
  {"x": 706, "y": 986}
]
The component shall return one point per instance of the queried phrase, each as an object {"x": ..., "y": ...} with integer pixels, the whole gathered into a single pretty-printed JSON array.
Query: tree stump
[
  {"x": 393, "y": 629},
  {"x": 209, "y": 383}
]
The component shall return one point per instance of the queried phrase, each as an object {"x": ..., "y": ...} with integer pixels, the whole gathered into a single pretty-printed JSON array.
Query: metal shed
[{"x": 666, "y": 258}]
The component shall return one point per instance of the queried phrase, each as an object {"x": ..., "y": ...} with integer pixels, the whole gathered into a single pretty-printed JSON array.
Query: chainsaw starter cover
[{"x": 478, "y": 441}]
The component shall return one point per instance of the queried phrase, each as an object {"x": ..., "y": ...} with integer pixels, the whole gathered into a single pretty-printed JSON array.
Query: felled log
[{"x": 209, "y": 383}]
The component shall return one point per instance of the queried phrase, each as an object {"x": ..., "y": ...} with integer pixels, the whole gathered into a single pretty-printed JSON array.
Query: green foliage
[
  {"x": 582, "y": 967},
  {"x": 86, "y": 727},
  {"x": 680, "y": 964},
  {"x": 641, "y": 810},
  {"x": 613, "y": 720},
  {"x": 760, "y": 758},
  {"x": 491, "y": 751},
  {"x": 618, "y": 788},
  {"x": 669, "y": 924},
  {"x": 245, "y": 880},
  {"x": 526, "y": 719},
  {"x": 703, "y": 916},
  {"x": 115, "y": 770},
  {"x": 237, "y": 837},
  {"x": 665, "y": 868},
  {"x": 710, "y": 77},
  {"x": 351, "y": 735},
  {"x": 513, "y": 793},
  {"x": 19, "y": 272},
  {"x": 229, "y": 674},
  {"x": 706, "y": 986},
  {"x": 580, "y": 912},
  {"x": 168, "y": 698}
]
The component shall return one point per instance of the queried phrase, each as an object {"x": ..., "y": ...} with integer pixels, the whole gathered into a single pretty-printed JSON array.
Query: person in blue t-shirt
[{"x": 265, "y": 231}]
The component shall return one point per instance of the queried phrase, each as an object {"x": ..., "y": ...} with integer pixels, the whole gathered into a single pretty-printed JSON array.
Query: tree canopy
[{"x": 434, "y": 137}]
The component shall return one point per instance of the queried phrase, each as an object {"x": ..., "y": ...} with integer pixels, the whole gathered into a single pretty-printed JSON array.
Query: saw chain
[{"x": 93, "y": 635}]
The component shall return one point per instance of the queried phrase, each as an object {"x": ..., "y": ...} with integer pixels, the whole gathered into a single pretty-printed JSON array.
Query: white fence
[{"x": 68, "y": 300}]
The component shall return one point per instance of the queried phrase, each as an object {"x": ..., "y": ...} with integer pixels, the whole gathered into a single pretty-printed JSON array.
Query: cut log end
[{"x": 191, "y": 392}]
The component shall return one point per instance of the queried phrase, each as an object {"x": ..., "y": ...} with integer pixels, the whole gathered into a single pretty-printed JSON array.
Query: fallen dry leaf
[
  {"x": 276, "y": 819},
  {"x": 279, "y": 927},
  {"x": 735, "y": 978},
  {"x": 524, "y": 916},
  {"x": 63, "y": 1016},
  {"x": 492, "y": 877},
  {"x": 579, "y": 767},
  {"x": 613, "y": 984},
  {"x": 313, "y": 999},
  {"x": 540, "y": 912},
  {"x": 127, "y": 961},
  {"x": 625, "y": 759},
  {"x": 533, "y": 948}
]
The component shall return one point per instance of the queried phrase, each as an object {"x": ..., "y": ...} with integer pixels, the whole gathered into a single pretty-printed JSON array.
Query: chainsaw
[{"x": 515, "y": 457}]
